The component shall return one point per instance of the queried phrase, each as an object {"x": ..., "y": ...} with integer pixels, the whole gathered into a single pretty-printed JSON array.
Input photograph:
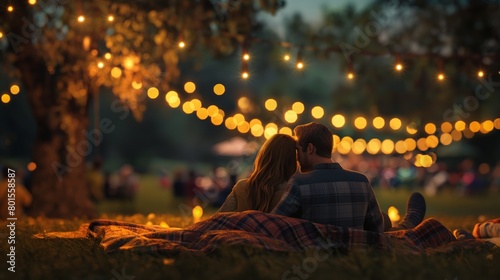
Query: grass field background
[{"x": 85, "y": 259}]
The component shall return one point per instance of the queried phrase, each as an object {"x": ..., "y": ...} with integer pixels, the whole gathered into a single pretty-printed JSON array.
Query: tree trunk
[{"x": 59, "y": 184}]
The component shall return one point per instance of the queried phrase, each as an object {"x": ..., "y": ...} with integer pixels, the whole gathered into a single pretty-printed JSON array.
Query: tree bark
[{"x": 59, "y": 184}]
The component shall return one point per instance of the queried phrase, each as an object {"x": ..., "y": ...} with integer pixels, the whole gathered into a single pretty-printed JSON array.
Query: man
[{"x": 328, "y": 194}]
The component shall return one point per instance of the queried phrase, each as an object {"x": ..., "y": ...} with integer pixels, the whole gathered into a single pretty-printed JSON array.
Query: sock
[{"x": 415, "y": 212}]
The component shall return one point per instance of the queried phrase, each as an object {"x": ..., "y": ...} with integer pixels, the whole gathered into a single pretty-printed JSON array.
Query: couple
[{"x": 322, "y": 192}]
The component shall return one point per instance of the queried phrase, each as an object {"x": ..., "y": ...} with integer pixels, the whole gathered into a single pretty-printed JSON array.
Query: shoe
[{"x": 415, "y": 212}]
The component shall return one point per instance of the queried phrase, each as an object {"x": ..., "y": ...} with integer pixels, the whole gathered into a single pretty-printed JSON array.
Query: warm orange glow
[
  {"x": 244, "y": 127},
  {"x": 298, "y": 107},
  {"x": 300, "y": 65},
  {"x": 446, "y": 127},
  {"x": 480, "y": 73},
  {"x": 378, "y": 122},
  {"x": 338, "y": 121},
  {"x": 245, "y": 75},
  {"x": 100, "y": 65},
  {"x": 440, "y": 76},
  {"x": 31, "y": 166},
  {"x": 116, "y": 72},
  {"x": 399, "y": 67},
  {"x": 460, "y": 125},
  {"x": 387, "y": 146},
  {"x": 422, "y": 144},
  {"x": 32, "y": 2},
  {"x": 171, "y": 96},
  {"x": 395, "y": 123},
  {"x": 430, "y": 128},
  {"x": 360, "y": 123},
  {"x": 474, "y": 126},
  {"x": 111, "y": 18},
  {"x": 128, "y": 62},
  {"x": 373, "y": 146},
  {"x": 189, "y": 87},
  {"x": 257, "y": 130},
  {"x": 350, "y": 75},
  {"x": 400, "y": 147},
  {"x": 153, "y": 92},
  {"x": 410, "y": 128},
  {"x": 107, "y": 56},
  {"x": 202, "y": 113},
  {"x": 1, "y": 35},
  {"x": 10, "y": 8},
  {"x": 182, "y": 44},
  {"x": 164, "y": 224},
  {"x": 81, "y": 19},
  {"x": 271, "y": 104},
  {"x": 197, "y": 213},
  {"x": 286, "y": 130},
  {"x": 317, "y": 112},
  {"x": 393, "y": 214},
  {"x": 432, "y": 141},
  {"x": 411, "y": 144},
  {"x": 136, "y": 85},
  {"x": 14, "y": 89},
  {"x": 5, "y": 98},
  {"x": 445, "y": 139},
  {"x": 291, "y": 116},
  {"x": 219, "y": 89},
  {"x": 246, "y": 56},
  {"x": 286, "y": 57}
]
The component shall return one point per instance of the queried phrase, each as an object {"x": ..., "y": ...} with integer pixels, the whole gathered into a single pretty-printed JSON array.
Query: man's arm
[
  {"x": 373, "y": 220},
  {"x": 289, "y": 204}
]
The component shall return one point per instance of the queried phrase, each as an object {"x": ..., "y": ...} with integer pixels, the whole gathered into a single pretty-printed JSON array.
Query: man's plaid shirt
[{"x": 332, "y": 195}]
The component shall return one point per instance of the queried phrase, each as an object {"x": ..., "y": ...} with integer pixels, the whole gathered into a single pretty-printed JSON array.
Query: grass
[{"x": 84, "y": 259}]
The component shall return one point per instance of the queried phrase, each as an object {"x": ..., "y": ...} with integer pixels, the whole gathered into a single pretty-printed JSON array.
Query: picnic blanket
[{"x": 260, "y": 230}]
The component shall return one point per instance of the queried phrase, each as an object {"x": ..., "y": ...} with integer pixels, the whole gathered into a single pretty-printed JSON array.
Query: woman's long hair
[{"x": 275, "y": 164}]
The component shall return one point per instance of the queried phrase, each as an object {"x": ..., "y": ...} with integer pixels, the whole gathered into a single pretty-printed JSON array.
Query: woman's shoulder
[{"x": 241, "y": 185}]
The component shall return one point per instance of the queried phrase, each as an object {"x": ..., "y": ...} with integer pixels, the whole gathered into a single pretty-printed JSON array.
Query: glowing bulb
[
  {"x": 32, "y": 2},
  {"x": 399, "y": 67},
  {"x": 480, "y": 73},
  {"x": 10, "y": 8},
  {"x": 350, "y": 75},
  {"x": 107, "y": 56},
  {"x": 111, "y": 18},
  {"x": 393, "y": 214},
  {"x": 300, "y": 65},
  {"x": 1, "y": 35},
  {"x": 5, "y": 98},
  {"x": 246, "y": 57},
  {"x": 245, "y": 75},
  {"x": 197, "y": 213},
  {"x": 100, "y": 65},
  {"x": 182, "y": 44},
  {"x": 286, "y": 57},
  {"x": 440, "y": 76},
  {"x": 81, "y": 19}
]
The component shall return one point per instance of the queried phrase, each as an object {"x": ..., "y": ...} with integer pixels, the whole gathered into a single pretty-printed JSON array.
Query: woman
[{"x": 274, "y": 165}]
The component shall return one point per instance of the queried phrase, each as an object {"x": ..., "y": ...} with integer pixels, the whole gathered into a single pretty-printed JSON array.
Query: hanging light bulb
[
  {"x": 440, "y": 77},
  {"x": 480, "y": 73},
  {"x": 244, "y": 70},
  {"x": 81, "y": 18},
  {"x": 300, "y": 63}
]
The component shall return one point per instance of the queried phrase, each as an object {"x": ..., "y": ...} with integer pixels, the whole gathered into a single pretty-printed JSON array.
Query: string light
[
  {"x": 111, "y": 18},
  {"x": 244, "y": 70},
  {"x": 480, "y": 73},
  {"x": 286, "y": 57},
  {"x": 440, "y": 76},
  {"x": 81, "y": 19},
  {"x": 182, "y": 44},
  {"x": 1, "y": 34},
  {"x": 398, "y": 67},
  {"x": 32, "y": 2},
  {"x": 246, "y": 56},
  {"x": 350, "y": 75},
  {"x": 100, "y": 65},
  {"x": 300, "y": 63},
  {"x": 10, "y": 8}
]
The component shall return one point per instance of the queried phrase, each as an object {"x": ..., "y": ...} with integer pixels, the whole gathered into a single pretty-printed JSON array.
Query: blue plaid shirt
[{"x": 332, "y": 195}]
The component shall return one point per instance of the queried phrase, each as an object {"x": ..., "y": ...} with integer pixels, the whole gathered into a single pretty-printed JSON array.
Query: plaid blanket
[{"x": 260, "y": 230}]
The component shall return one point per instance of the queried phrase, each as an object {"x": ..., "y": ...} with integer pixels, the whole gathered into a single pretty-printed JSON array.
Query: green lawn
[{"x": 84, "y": 259}]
